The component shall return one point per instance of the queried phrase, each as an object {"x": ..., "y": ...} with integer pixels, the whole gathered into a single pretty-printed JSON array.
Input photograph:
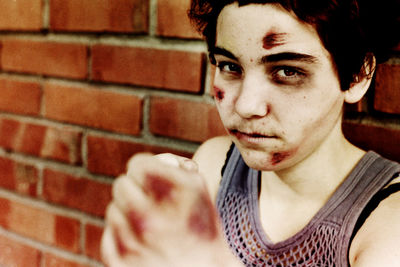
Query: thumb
[{"x": 178, "y": 161}]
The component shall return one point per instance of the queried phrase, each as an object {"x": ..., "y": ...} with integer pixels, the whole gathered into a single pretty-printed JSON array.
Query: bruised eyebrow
[{"x": 288, "y": 56}]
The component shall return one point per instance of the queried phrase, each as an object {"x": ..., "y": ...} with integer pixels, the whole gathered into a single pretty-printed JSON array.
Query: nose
[{"x": 252, "y": 100}]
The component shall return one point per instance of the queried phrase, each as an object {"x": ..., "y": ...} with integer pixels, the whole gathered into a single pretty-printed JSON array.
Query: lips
[{"x": 251, "y": 137}]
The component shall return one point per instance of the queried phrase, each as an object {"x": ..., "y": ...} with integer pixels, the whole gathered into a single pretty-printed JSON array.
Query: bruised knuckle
[
  {"x": 160, "y": 188},
  {"x": 202, "y": 219},
  {"x": 138, "y": 223}
]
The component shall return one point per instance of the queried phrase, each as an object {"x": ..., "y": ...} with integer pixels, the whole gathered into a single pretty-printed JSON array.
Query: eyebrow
[
  {"x": 288, "y": 56},
  {"x": 221, "y": 51},
  {"x": 284, "y": 56}
]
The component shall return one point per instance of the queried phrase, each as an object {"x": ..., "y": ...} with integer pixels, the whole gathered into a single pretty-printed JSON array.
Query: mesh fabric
[
  {"x": 324, "y": 241},
  {"x": 317, "y": 249}
]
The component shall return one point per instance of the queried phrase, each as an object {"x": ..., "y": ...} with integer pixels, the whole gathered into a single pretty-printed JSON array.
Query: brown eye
[
  {"x": 288, "y": 75},
  {"x": 288, "y": 72},
  {"x": 229, "y": 68}
]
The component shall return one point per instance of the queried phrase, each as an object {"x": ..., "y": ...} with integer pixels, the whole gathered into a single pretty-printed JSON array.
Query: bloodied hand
[{"x": 162, "y": 215}]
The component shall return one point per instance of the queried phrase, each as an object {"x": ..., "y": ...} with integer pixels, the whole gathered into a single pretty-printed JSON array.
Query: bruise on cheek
[
  {"x": 158, "y": 187},
  {"x": 202, "y": 219},
  {"x": 137, "y": 223},
  {"x": 219, "y": 94},
  {"x": 279, "y": 157},
  {"x": 272, "y": 39}
]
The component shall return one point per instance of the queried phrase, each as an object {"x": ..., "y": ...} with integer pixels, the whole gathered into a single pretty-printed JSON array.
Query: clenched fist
[{"x": 162, "y": 215}]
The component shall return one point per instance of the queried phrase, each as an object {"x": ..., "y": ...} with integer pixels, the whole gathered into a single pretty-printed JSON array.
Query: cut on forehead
[{"x": 274, "y": 38}]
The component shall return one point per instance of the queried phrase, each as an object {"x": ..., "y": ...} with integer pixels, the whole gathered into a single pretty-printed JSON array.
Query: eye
[
  {"x": 288, "y": 74},
  {"x": 229, "y": 68}
]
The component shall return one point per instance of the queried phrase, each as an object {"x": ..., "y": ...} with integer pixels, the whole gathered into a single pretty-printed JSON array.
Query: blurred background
[{"x": 84, "y": 85}]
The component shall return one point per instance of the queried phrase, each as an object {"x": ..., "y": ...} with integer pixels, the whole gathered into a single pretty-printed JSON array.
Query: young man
[{"x": 294, "y": 191}]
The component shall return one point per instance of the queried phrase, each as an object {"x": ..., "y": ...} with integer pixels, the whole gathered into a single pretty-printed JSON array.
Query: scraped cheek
[{"x": 219, "y": 94}]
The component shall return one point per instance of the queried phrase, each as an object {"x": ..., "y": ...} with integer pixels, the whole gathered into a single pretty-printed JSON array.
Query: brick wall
[{"x": 85, "y": 84}]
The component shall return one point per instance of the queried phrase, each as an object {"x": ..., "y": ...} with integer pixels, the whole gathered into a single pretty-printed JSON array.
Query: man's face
[{"x": 275, "y": 85}]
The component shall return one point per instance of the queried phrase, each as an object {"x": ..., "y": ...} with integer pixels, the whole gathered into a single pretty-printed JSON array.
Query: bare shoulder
[
  {"x": 210, "y": 158},
  {"x": 376, "y": 243}
]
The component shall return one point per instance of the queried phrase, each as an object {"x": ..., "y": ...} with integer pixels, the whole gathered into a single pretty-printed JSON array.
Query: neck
[{"x": 318, "y": 175}]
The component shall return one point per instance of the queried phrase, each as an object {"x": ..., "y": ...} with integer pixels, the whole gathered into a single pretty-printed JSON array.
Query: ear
[{"x": 360, "y": 87}]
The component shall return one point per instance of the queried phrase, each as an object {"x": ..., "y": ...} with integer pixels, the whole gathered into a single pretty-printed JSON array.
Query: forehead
[{"x": 266, "y": 27}]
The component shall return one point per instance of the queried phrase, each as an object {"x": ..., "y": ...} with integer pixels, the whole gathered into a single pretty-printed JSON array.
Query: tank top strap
[
  {"x": 235, "y": 175},
  {"x": 367, "y": 179}
]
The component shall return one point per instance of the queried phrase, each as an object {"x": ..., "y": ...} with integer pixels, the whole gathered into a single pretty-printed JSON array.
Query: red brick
[
  {"x": 22, "y": 178},
  {"x": 129, "y": 16},
  {"x": 63, "y": 144},
  {"x": 109, "y": 156},
  {"x": 93, "y": 238},
  {"x": 66, "y": 233},
  {"x": 51, "y": 260},
  {"x": 93, "y": 107},
  {"x": 387, "y": 89},
  {"x": 385, "y": 141},
  {"x": 20, "y": 97},
  {"x": 173, "y": 70},
  {"x": 14, "y": 253},
  {"x": 23, "y": 15},
  {"x": 173, "y": 20},
  {"x": 46, "y": 58},
  {"x": 58, "y": 143},
  {"x": 184, "y": 119},
  {"x": 5, "y": 209},
  {"x": 76, "y": 192},
  {"x": 40, "y": 224}
]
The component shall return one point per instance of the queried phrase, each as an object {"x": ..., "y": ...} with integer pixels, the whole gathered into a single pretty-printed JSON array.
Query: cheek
[{"x": 219, "y": 94}]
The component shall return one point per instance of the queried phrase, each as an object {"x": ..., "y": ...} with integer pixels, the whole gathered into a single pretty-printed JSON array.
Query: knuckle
[
  {"x": 159, "y": 187},
  {"x": 138, "y": 159},
  {"x": 118, "y": 185},
  {"x": 110, "y": 213}
]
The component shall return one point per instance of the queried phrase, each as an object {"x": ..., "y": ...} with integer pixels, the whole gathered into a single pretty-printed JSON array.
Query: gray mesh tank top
[{"x": 324, "y": 241}]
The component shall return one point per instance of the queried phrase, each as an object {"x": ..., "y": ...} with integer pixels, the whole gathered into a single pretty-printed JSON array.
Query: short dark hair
[{"x": 351, "y": 30}]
